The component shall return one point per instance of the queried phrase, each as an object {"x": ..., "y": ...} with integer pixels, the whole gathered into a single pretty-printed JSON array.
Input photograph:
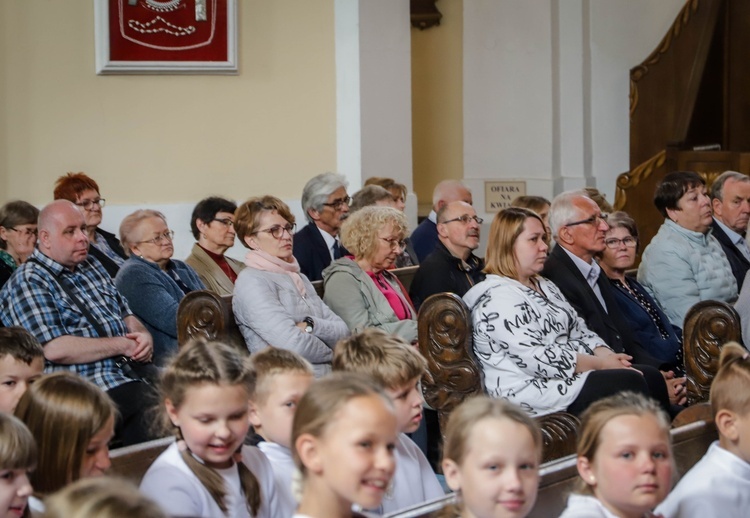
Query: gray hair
[
  {"x": 444, "y": 191},
  {"x": 16, "y": 213},
  {"x": 318, "y": 189},
  {"x": 562, "y": 210},
  {"x": 717, "y": 188},
  {"x": 130, "y": 224}
]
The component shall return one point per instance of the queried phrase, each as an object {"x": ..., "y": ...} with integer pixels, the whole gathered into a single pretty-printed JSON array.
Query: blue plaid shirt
[{"x": 33, "y": 299}]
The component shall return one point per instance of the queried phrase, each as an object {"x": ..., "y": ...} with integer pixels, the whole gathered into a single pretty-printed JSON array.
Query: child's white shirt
[
  {"x": 414, "y": 482},
  {"x": 282, "y": 464},
  {"x": 718, "y": 485},
  {"x": 170, "y": 483},
  {"x": 585, "y": 506}
]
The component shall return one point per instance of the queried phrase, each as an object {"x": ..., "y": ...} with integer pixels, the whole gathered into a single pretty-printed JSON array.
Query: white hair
[
  {"x": 445, "y": 191},
  {"x": 318, "y": 189},
  {"x": 563, "y": 210}
]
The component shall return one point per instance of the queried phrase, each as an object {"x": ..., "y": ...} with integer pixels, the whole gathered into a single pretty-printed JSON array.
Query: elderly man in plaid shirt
[{"x": 68, "y": 302}]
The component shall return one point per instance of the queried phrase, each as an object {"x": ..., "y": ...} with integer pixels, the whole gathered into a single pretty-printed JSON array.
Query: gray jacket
[
  {"x": 267, "y": 307},
  {"x": 352, "y": 294},
  {"x": 681, "y": 268}
]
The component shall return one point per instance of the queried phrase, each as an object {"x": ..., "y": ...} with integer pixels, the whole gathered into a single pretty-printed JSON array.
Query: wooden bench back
[
  {"x": 132, "y": 462},
  {"x": 204, "y": 314}
]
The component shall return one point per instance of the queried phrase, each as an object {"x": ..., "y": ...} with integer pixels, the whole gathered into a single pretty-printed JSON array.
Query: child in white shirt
[
  {"x": 719, "y": 484},
  {"x": 281, "y": 379}
]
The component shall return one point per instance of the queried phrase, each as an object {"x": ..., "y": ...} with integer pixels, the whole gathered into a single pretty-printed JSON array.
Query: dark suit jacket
[
  {"x": 424, "y": 239},
  {"x": 442, "y": 272},
  {"x": 737, "y": 261},
  {"x": 114, "y": 243},
  {"x": 611, "y": 327},
  {"x": 311, "y": 252}
]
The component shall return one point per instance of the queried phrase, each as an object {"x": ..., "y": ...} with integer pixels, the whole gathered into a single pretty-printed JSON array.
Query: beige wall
[
  {"x": 437, "y": 102},
  {"x": 166, "y": 139}
]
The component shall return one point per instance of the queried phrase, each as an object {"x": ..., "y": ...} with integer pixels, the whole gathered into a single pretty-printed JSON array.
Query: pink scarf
[{"x": 266, "y": 262}]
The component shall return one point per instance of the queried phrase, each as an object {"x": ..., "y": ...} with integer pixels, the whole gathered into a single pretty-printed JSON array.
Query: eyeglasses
[
  {"x": 158, "y": 240},
  {"x": 614, "y": 243},
  {"x": 337, "y": 204},
  {"x": 28, "y": 232},
  {"x": 226, "y": 222},
  {"x": 394, "y": 242},
  {"x": 89, "y": 204},
  {"x": 593, "y": 220},
  {"x": 466, "y": 219},
  {"x": 277, "y": 231}
]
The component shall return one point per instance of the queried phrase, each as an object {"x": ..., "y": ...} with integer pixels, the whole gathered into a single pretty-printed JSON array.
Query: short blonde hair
[
  {"x": 271, "y": 362},
  {"x": 595, "y": 417},
  {"x": 386, "y": 358},
  {"x": 359, "y": 233},
  {"x": 17, "y": 445},
  {"x": 247, "y": 216},
  {"x": 101, "y": 497},
  {"x": 129, "y": 226},
  {"x": 506, "y": 227},
  {"x": 730, "y": 389}
]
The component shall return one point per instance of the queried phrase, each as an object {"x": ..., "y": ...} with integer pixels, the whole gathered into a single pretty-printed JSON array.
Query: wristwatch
[{"x": 310, "y": 324}]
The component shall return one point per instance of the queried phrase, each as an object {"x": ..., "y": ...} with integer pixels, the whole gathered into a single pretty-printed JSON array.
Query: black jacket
[
  {"x": 740, "y": 265},
  {"x": 611, "y": 327},
  {"x": 311, "y": 252},
  {"x": 114, "y": 243},
  {"x": 441, "y": 271}
]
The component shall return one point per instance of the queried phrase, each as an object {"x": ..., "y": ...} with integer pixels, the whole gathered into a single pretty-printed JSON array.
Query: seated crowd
[{"x": 89, "y": 355}]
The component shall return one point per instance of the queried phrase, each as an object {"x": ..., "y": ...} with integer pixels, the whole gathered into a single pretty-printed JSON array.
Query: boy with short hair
[
  {"x": 282, "y": 378},
  {"x": 398, "y": 367},
  {"x": 21, "y": 363}
]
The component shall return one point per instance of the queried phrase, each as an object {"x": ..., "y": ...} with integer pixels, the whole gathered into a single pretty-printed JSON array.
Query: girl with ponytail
[{"x": 208, "y": 472}]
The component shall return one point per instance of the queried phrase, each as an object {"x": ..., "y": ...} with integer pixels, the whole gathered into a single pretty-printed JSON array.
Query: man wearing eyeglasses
[
  {"x": 326, "y": 205},
  {"x": 424, "y": 239},
  {"x": 68, "y": 301},
  {"x": 452, "y": 266},
  {"x": 579, "y": 228}
]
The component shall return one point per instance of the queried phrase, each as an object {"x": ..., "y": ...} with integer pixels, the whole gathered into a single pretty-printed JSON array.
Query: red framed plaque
[{"x": 166, "y": 36}]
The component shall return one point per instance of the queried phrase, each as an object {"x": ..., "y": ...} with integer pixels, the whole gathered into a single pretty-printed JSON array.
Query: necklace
[{"x": 149, "y": 27}]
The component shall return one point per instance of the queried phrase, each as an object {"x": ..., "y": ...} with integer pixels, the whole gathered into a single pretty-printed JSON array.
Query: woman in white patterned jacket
[{"x": 533, "y": 348}]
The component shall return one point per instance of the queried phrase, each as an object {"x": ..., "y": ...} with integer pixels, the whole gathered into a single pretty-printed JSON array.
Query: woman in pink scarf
[{"x": 274, "y": 304}]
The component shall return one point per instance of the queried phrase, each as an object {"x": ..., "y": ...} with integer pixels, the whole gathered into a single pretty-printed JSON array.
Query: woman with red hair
[{"x": 84, "y": 192}]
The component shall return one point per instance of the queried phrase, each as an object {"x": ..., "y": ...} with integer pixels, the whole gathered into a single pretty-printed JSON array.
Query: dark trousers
[
  {"x": 600, "y": 384},
  {"x": 134, "y": 401}
]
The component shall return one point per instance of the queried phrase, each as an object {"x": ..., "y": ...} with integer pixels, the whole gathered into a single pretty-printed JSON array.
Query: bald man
[
  {"x": 67, "y": 300},
  {"x": 424, "y": 239}
]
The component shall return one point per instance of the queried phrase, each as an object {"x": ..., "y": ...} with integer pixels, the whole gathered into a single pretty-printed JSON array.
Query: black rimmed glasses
[
  {"x": 394, "y": 242},
  {"x": 340, "y": 202},
  {"x": 277, "y": 231},
  {"x": 89, "y": 204},
  {"x": 28, "y": 232},
  {"x": 593, "y": 220},
  {"x": 160, "y": 239},
  {"x": 466, "y": 219},
  {"x": 615, "y": 243},
  {"x": 225, "y": 221}
]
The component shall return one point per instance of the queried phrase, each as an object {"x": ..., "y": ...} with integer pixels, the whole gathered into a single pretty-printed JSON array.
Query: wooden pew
[
  {"x": 204, "y": 314},
  {"x": 445, "y": 340},
  {"x": 131, "y": 462}
]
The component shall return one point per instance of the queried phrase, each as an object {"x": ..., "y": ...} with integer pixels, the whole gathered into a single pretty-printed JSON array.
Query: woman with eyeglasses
[
  {"x": 274, "y": 303},
  {"x": 359, "y": 288},
  {"x": 84, "y": 192},
  {"x": 684, "y": 264},
  {"x": 152, "y": 282},
  {"x": 212, "y": 224},
  {"x": 17, "y": 236},
  {"x": 651, "y": 326}
]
